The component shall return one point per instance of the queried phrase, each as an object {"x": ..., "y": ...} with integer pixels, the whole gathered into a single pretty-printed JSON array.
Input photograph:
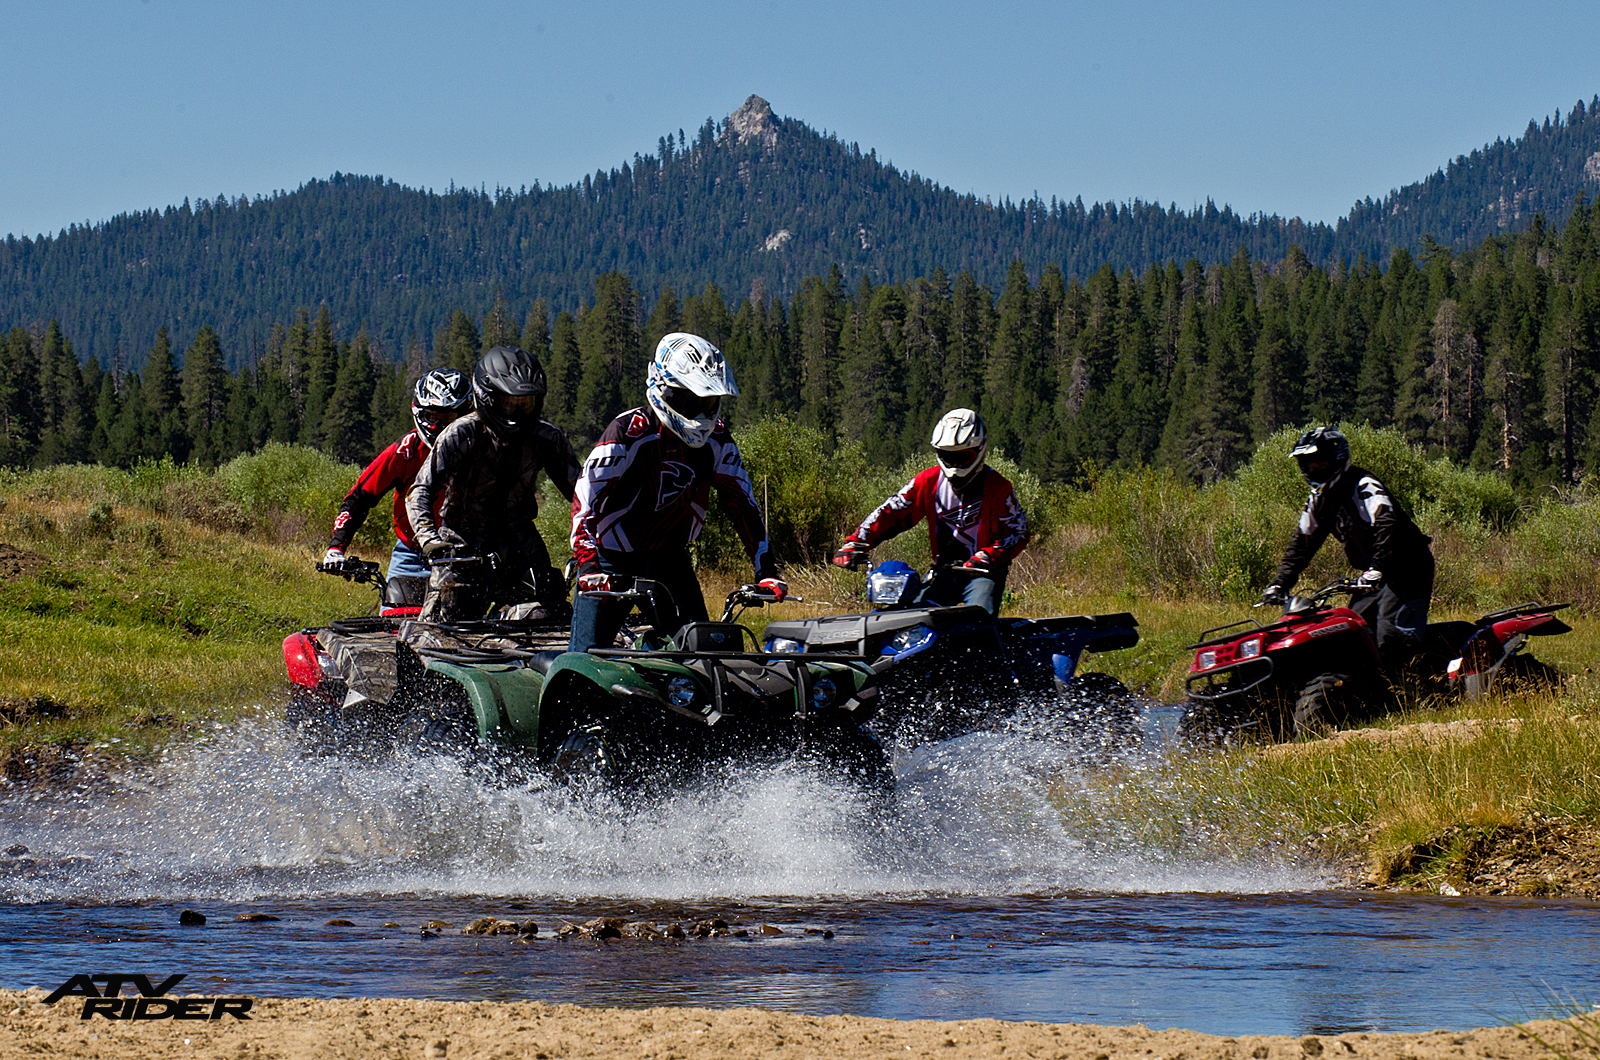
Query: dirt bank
[{"x": 438, "y": 1030}]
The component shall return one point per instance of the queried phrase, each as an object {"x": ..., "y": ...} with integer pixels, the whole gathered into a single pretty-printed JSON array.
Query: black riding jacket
[{"x": 1377, "y": 534}]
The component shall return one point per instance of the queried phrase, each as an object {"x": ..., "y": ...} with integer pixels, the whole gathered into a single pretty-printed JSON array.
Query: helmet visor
[
  {"x": 1315, "y": 467},
  {"x": 689, "y": 405},
  {"x": 436, "y": 420},
  {"x": 958, "y": 459},
  {"x": 516, "y": 407}
]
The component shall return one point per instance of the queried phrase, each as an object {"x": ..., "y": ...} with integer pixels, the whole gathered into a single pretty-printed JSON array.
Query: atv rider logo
[{"x": 151, "y": 1002}]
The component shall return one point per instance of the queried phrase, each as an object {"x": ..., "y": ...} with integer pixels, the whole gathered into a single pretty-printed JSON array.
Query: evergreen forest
[
  {"x": 1489, "y": 356},
  {"x": 758, "y": 205}
]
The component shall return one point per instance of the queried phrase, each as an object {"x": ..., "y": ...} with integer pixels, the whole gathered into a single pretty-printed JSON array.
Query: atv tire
[
  {"x": 1524, "y": 673},
  {"x": 588, "y": 756},
  {"x": 1325, "y": 703},
  {"x": 432, "y": 732},
  {"x": 1103, "y": 707},
  {"x": 859, "y": 758}
]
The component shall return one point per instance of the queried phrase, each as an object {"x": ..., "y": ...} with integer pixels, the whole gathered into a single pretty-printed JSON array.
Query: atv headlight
[
  {"x": 682, "y": 692},
  {"x": 886, "y": 588},
  {"x": 908, "y": 640},
  {"x": 823, "y": 693},
  {"x": 1206, "y": 659},
  {"x": 785, "y": 646},
  {"x": 1250, "y": 648}
]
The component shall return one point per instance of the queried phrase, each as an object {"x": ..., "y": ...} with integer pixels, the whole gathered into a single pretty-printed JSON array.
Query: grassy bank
[{"x": 136, "y": 606}]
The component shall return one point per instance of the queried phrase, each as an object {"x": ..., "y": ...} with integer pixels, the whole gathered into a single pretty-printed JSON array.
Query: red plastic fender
[{"x": 300, "y": 659}]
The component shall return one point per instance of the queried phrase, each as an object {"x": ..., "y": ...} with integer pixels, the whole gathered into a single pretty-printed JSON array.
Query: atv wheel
[
  {"x": 1524, "y": 673},
  {"x": 858, "y": 756},
  {"x": 1326, "y": 703},
  {"x": 432, "y": 732},
  {"x": 312, "y": 721},
  {"x": 1102, "y": 707},
  {"x": 587, "y": 756}
]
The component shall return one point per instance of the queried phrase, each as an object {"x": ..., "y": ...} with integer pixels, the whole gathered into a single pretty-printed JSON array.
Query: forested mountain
[
  {"x": 1490, "y": 356},
  {"x": 752, "y": 204}
]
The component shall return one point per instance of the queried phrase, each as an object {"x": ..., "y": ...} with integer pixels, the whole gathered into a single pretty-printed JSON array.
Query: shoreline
[{"x": 449, "y": 1030}]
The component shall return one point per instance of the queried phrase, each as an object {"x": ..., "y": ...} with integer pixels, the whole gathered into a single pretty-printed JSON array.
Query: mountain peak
[{"x": 754, "y": 121}]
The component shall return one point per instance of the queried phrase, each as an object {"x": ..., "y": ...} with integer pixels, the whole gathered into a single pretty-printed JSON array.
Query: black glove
[{"x": 1273, "y": 596}]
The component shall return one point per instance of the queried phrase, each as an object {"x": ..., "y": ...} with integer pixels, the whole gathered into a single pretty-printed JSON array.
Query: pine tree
[
  {"x": 205, "y": 394},
  {"x": 817, "y": 318},
  {"x": 1006, "y": 406},
  {"x": 498, "y": 327},
  {"x": 613, "y": 372},
  {"x": 458, "y": 346},
  {"x": 564, "y": 372},
  {"x": 664, "y": 320},
  {"x": 165, "y": 432},
  {"x": 872, "y": 355},
  {"x": 536, "y": 332},
  {"x": 347, "y": 427},
  {"x": 321, "y": 374}
]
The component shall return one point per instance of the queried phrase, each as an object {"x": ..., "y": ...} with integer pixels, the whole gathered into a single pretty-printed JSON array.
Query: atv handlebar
[
  {"x": 356, "y": 570},
  {"x": 752, "y": 596}
]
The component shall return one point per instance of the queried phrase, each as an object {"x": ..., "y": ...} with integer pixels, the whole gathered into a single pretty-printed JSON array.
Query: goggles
[
  {"x": 958, "y": 459},
  {"x": 689, "y": 405},
  {"x": 517, "y": 406}
]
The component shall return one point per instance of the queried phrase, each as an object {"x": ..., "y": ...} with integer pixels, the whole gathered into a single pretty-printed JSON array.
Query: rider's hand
[
  {"x": 1370, "y": 579},
  {"x": 1273, "y": 596},
  {"x": 776, "y": 586},
  {"x": 443, "y": 545},
  {"x": 851, "y": 555},
  {"x": 982, "y": 559},
  {"x": 332, "y": 560},
  {"x": 594, "y": 583}
]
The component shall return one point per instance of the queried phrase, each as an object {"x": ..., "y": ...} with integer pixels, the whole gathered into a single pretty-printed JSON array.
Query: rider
[
  {"x": 975, "y": 525},
  {"x": 1379, "y": 538},
  {"x": 476, "y": 496},
  {"x": 646, "y": 488},
  {"x": 440, "y": 396}
]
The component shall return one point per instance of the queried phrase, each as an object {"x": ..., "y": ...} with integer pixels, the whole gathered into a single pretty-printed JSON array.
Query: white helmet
[
  {"x": 960, "y": 441},
  {"x": 687, "y": 381}
]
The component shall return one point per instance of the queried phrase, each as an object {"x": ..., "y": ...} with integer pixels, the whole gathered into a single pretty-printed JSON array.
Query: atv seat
[{"x": 540, "y": 660}]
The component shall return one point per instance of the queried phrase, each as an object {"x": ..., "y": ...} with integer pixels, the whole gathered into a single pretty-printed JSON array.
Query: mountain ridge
[{"x": 755, "y": 200}]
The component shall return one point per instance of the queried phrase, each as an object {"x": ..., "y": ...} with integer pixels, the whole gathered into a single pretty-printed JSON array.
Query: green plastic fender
[{"x": 505, "y": 700}]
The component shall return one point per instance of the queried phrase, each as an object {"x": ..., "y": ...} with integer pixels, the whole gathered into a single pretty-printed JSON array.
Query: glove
[
  {"x": 332, "y": 560},
  {"x": 776, "y": 586},
  {"x": 1273, "y": 596},
  {"x": 1370, "y": 579},
  {"x": 851, "y": 555},
  {"x": 442, "y": 545},
  {"x": 982, "y": 559},
  {"x": 594, "y": 583}
]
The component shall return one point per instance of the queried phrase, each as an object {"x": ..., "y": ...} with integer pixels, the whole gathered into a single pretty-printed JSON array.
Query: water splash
[{"x": 243, "y": 814}]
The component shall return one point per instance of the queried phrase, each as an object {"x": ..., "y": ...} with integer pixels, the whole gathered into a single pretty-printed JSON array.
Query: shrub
[{"x": 293, "y": 492}]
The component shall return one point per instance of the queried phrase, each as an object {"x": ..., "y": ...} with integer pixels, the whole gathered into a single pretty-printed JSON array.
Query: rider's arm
[
  {"x": 597, "y": 498},
  {"x": 899, "y": 513},
  {"x": 738, "y": 500},
  {"x": 560, "y": 462},
  {"x": 1010, "y": 529},
  {"x": 423, "y": 499},
  {"x": 1309, "y": 534},
  {"x": 375, "y": 481}
]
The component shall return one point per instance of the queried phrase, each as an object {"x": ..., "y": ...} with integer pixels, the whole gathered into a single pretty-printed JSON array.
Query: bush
[
  {"x": 292, "y": 492},
  {"x": 1556, "y": 550}
]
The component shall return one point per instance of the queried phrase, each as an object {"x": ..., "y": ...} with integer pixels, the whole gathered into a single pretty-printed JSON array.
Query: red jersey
[
  {"x": 394, "y": 469},
  {"x": 644, "y": 490},
  {"x": 982, "y": 515}
]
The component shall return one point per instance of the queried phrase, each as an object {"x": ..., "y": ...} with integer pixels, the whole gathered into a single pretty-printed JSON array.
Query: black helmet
[
  {"x": 440, "y": 396},
  {"x": 1323, "y": 454},
  {"x": 508, "y": 389}
]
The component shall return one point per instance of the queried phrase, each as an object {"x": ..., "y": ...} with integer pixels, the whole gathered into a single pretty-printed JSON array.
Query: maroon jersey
[
  {"x": 983, "y": 515},
  {"x": 394, "y": 469},
  {"x": 644, "y": 490}
]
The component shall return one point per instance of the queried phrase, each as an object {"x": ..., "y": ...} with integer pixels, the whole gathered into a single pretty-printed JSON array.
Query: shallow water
[{"x": 970, "y": 895}]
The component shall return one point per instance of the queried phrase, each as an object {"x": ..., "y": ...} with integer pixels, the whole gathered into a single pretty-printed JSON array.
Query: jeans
[
  {"x": 596, "y": 621},
  {"x": 952, "y": 586}
]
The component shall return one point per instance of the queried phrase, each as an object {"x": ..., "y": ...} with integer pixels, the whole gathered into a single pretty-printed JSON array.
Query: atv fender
[{"x": 505, "y": 700}]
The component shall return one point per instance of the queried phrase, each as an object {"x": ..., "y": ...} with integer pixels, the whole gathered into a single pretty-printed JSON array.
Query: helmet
[
  {"x": 960, "y": 441},
  {"x": 440, "y": 397},
  {"x": 687, "y": 380},
  {"x": 1323, "y": 454},
  {"x": 508, "y": 389}
]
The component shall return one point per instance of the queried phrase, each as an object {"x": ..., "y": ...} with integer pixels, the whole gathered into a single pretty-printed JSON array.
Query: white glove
[
  {"x": 1370, "y": 579},
  {"x": 333, "y": 560}
]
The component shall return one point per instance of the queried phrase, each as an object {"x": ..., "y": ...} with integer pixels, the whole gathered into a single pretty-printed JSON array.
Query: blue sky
[{"x": 1294, "y": 108}]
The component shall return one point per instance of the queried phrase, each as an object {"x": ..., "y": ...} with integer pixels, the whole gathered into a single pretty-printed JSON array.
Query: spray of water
[{"x": 245, "y": 814}]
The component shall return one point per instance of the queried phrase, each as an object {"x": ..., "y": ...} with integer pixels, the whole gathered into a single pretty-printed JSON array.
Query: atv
[
  {"x": 1318, "y": 667},
  {"x": 948, "y": 671},
  {"x": 627, "y": 717}
]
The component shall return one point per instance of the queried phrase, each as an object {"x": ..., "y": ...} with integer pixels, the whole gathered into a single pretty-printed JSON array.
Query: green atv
[{"x": 636, "y": 717}]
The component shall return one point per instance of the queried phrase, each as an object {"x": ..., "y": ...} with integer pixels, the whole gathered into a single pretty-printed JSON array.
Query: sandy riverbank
[{"x": 438, "y": 1030}]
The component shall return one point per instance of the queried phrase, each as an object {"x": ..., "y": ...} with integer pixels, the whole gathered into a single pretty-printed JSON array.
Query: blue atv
[{"x": 947, "y": 671}]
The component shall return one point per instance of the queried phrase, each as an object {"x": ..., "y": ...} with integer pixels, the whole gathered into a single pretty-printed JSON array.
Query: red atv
[{"x": 1318, "y": 667}]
